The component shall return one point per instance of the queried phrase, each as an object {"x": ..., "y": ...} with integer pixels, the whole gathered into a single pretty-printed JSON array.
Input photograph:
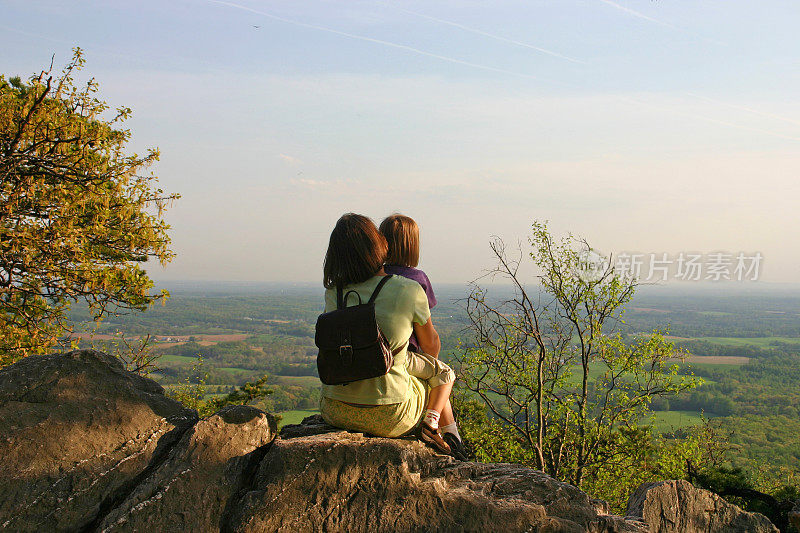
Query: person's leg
[
  {"x": 440, "y": 379},
  {"x": 449, "y": 430},
  {"x": 447, "y": 422},
  {"x": 438, "y": 419},
  {"x": 439, "y": 398},
  {"x": 429, "y": 369},
  {"x": 429, "y": 426},
  {"x": 447, "y": 418},
  {"x": 438, "y": 426}
]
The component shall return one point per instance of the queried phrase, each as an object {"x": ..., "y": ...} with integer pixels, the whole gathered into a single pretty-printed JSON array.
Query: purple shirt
[{"x": 420, "y": 277}]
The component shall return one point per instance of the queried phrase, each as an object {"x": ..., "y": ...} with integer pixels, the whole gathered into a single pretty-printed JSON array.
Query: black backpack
[{"x": 351, "y": 345}]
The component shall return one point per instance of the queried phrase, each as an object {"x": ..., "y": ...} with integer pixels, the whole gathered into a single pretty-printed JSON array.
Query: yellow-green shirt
[{"x": 400, "y": 303}]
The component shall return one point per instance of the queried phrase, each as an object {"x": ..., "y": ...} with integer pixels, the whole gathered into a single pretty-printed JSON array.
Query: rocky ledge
[{"x": 87, "y": 446}]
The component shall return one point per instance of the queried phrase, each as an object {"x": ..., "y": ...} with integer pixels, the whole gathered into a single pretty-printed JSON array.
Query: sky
[{"x": 648, "y": 126}]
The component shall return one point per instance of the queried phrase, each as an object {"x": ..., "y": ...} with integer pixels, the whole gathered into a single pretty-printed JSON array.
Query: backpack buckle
[{"x": 346, "y": 353}]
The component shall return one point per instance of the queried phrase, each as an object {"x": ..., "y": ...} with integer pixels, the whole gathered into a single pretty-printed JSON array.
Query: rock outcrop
[
  {"x": 87, "y": 446},
  {"x": 202, "y": 475},
  {"x": 677, "y": 506},
  {"x": 794, "y": 517},
  {"x": 77, "y": 431},
  {"x": 322, "y": 478}
]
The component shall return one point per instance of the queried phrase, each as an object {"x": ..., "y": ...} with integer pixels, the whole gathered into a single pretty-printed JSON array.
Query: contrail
[
  {"x": 708, "y": 119},
  {"x": 92, "y": 49},
  {"x": 642, "y": 16},
  {"x": 490, "y": 68},
  {"x": 386, "y": 43},
  {"x": 491, "y": 35},
  {"x": 34, "y": 35},
  {"x": 743, "y": 108},
  {"x": 639, "y": 15}
]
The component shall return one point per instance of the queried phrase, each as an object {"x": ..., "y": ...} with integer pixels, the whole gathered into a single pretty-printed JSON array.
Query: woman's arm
[{"x": 428, "y": 338}]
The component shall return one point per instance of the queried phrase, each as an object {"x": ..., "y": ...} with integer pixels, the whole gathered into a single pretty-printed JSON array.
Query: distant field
[
  {"x": 164, "y": 345},
  {"x": 303, "y": 381},
  {"x": 762, "y": 342},
  {"x": 707, "y": 367},
  {"x": 174, "y": 339},
  {"x": 295, "y": 417},
  {"x": 89, "y": 336},
  {"x": 167, "y": 358},
  {"x": 717, "y": 360},
  {"x": 721, "y": 363},
  {"x": 202, "y": 340},
  {"x": 233, "y": 369},
  {"x": 597, "y": 369},
  {"x": 167, "y": 345},
  {"x": 666, "y": 421},
  {"x": 224, "y": 338}
]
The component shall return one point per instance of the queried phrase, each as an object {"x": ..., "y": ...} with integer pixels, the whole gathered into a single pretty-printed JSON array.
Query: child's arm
[
  {"x": 426, "y": 285},
  {"x": 428, "y": 338}
]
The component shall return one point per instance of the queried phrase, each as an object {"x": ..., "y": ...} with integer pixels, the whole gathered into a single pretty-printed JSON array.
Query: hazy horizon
[
  {"x": 645, "y": 127},
  {"x": 676, "y": 287}
]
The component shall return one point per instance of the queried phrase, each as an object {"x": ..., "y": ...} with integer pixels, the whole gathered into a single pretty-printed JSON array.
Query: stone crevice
[
  {"x": 248, "y": 483},
  {"x": 98, "y": 477},
  {"x": 163, "y": 449}
]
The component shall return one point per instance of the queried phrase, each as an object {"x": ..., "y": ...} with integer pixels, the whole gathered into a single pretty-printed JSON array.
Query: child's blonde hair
[{"x": 402, "y": 236}]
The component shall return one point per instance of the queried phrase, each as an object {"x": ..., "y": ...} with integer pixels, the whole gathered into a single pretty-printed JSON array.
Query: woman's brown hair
[
  {"x": 402, "y": 236},
  {"x": 356, "y": 251}
]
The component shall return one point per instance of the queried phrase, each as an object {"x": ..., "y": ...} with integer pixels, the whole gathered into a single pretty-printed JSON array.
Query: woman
[{"x": 397, "y": 403}]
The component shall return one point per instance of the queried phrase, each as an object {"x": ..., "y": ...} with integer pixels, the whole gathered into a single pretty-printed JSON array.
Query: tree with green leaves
[
  {"x": 77, "y": 213},
  {"x": 567, "y": 393},
  {"x": 192, "y": 393}
]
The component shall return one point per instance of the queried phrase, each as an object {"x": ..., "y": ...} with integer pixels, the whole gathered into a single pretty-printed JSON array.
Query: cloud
[
  {"x": 338, "y": 185},
  {"x": 291, "y": 160}
]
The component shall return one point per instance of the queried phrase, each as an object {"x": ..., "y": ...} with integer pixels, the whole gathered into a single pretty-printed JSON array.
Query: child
[{"x": 402, "y": 236}]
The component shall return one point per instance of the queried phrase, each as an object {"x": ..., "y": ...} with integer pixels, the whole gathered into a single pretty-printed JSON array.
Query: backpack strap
[
  {"x": 341, "y": 301},
  {"x": 381, "y": 283},
  {"x": 372, "y": 298},
  {"x": 399, "y": 349}
]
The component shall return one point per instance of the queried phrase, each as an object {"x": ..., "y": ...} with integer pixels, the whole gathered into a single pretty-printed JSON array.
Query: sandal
[{"x": 431, "y": 437}]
